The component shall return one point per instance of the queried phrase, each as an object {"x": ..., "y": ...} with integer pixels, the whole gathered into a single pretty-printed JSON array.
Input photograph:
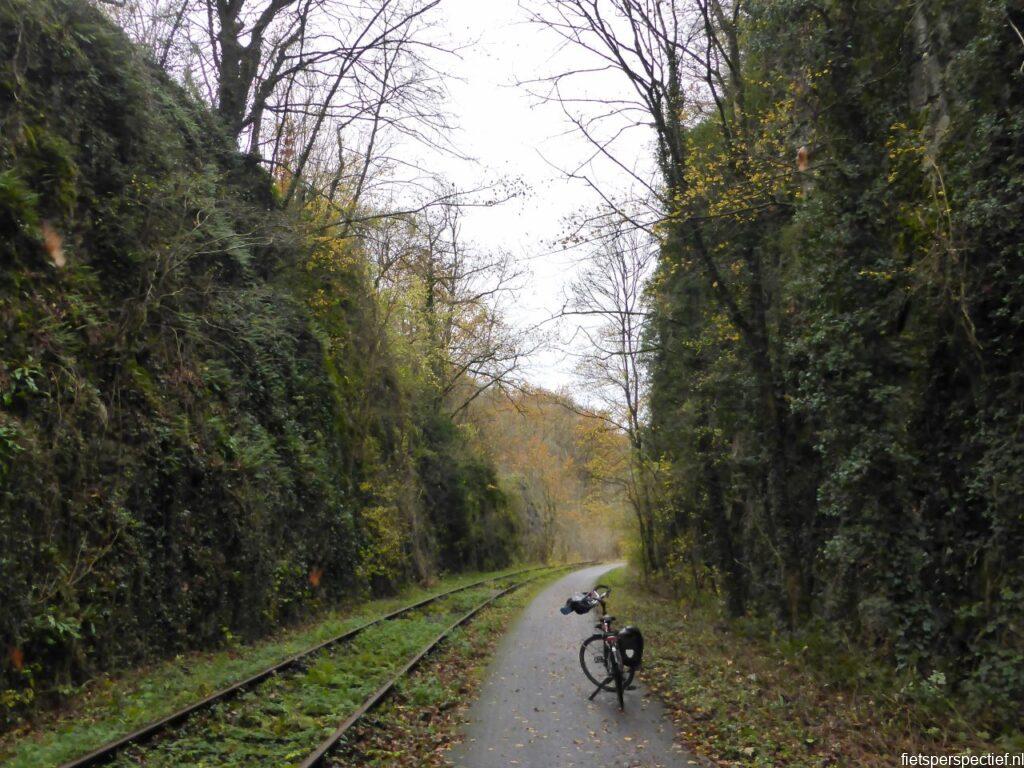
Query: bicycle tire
[{"x": 603, "y": 670}]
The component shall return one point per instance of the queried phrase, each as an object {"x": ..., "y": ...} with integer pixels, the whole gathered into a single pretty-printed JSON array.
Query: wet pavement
[{"x": 533, "y": 710}]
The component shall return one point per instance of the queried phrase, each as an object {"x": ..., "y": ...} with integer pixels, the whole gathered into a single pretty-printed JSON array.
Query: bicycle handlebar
[{"x": 584, "y": 603}]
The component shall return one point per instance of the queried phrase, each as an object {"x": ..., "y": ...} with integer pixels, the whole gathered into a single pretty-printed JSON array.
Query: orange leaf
[
  {"x": 802, "y": 159},
  {"x": 53, "y": 244}
]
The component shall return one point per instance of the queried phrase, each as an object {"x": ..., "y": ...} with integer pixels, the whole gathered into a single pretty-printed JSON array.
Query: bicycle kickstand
[{"x": 600, "y": 688}]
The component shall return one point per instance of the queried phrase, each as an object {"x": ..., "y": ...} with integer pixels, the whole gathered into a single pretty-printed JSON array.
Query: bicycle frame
[
  {"x": 609, "y": 635},
  {"x": 610, "y": 638},
  {"x": 613, "y": 663},
  {"x": 601, "y": 657}
]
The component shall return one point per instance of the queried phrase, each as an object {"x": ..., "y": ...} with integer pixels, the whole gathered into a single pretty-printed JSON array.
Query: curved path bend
[{"x": 533, "y": 710}]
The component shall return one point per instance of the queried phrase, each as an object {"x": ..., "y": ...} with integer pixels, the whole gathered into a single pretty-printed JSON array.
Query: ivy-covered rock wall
[
  {"x": 188, "y": 449},
  {"x": 851, "y": 454}
]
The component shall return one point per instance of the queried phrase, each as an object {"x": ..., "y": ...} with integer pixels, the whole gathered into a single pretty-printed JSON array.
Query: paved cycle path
[{"x": 533, "y": 710}]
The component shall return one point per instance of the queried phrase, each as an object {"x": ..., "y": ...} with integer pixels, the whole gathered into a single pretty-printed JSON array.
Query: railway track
[
  {"x": 186, "y": 717},
  {"x": 319, "y": 755}
]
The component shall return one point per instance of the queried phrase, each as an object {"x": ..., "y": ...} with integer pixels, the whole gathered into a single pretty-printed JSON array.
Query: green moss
[
  {"x": 192, "y": 440},
  {"x": 18, "y": 204},
  {"x": 112, "y": 706}
]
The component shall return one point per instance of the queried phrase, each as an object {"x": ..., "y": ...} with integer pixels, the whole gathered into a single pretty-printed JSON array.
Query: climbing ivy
[
  {"x": 202, "y": 432},
  {"x": 857, "y": 459}
]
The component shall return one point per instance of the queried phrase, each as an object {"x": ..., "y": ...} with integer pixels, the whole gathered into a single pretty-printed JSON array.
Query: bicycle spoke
[{"x": 601, "y": 659}]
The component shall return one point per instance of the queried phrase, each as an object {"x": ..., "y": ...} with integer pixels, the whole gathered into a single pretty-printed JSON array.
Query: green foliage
[
  {"x": 856, "y": 458},
  {"x": 421, "y": 720},
  {"x": 196, "y": 404},
  {"x": 472, "y": 520},
  {"x": 288, "y": 716},
  {"x": 114, "y": 705},
  {"x": 744, "y": 692}
]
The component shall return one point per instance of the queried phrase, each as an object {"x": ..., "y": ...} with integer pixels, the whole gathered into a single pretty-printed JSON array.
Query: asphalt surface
[{"x": 533, "y": 710}]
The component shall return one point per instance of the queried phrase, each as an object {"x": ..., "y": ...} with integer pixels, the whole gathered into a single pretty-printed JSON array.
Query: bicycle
[{"x": 614, "y": 659}]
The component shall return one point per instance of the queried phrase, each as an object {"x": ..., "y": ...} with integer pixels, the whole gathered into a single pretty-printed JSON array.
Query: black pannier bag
[
  {"x": 578, "y": 603},
  {"x": 631, "y": 644}
]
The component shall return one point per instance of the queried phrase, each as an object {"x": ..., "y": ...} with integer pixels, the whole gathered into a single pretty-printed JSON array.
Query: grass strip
[
  {"x": 281, "y": 721},
  {"x": 746, "y": 695},
  {"x": 111, "y": 706},
  {"x": 415, "y": 727}
]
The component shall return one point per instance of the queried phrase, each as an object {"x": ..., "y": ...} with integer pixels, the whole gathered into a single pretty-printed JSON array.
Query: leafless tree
[
  {"x": 449, "y": 298},
  {"x": 311, "y": 86},
  {"x": 464, "y": 293},
  {"x": 329, "y": 94},
  {"x": 608, "y": 301},
  {"x": 680, "y": 60},
  {"x": 639, "y": 39},
  {"x": 610, "y": 290}
]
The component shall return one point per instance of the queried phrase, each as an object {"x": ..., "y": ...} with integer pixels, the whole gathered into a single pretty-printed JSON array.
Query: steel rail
[
  {"x": 316, "y": 758},
  {"x": 107, "y": 751}
]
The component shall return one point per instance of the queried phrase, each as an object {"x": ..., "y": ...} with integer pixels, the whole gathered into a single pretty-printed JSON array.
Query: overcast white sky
[{"x": 510, "y": 134}]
